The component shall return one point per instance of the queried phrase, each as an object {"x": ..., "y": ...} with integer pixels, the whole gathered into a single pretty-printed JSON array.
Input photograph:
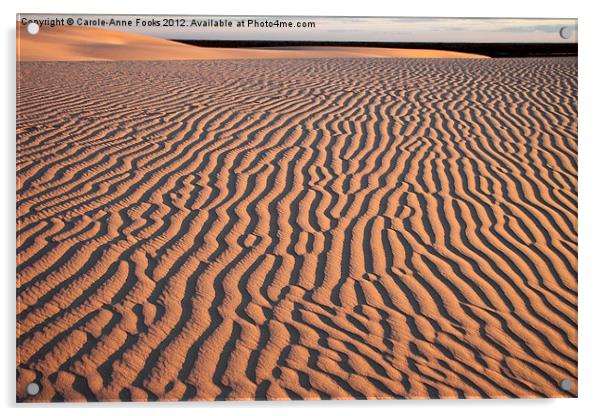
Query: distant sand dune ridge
[
  {"x": 71, "y": 43},
  {"x": 321, "y": 228}
]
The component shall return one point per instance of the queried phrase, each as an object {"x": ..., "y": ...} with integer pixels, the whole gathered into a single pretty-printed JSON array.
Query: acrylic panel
[{"x": 295, "y": 208}]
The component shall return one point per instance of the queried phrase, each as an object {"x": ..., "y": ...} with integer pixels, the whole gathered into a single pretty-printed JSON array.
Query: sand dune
[
  {"x": 308, "y": 229},
  {"x": 66, "y": 43}
]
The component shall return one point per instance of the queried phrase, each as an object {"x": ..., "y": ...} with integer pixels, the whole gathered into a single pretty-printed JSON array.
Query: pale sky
[{"x": 369, "y": 29}]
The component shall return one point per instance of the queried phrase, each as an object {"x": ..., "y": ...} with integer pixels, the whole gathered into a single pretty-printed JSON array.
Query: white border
[{"x": 590, "y": 177}]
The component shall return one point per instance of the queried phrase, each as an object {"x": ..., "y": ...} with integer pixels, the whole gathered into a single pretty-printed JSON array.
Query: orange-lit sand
[
  {"x": 65, "y": 43},
  {"x": 321, "y": 228}
]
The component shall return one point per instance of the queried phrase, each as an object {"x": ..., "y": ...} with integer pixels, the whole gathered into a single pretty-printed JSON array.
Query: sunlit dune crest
[{"x": 66, "y": 43}]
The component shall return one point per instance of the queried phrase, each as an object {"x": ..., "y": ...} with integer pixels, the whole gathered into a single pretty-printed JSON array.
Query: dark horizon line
[{"x": 493, "y": 49}]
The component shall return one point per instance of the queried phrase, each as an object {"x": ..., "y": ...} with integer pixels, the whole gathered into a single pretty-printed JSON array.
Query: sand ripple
[{"x": 325, "y": 228}]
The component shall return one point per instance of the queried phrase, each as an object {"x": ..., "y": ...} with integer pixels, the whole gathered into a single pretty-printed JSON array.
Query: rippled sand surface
[{"x": 297, "y": 229}]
